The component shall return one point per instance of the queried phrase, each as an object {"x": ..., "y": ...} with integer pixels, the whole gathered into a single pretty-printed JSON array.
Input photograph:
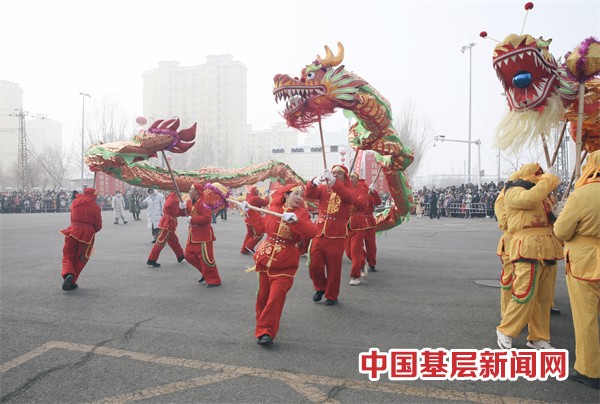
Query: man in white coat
[
  {"x": 118, "y": 203},
  {"x": 154, "y": 203}
]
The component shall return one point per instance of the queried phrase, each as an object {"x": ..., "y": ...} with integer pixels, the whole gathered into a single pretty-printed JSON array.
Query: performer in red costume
[
  {"x": 370, "y": 233},
  {"x": 358, "y": 225},
  {"x": 252, "y": 235},
  {"x": 327, "y": 248},
  {"x": 199, "y": 247},
  {"x": 86, "y": 221},
  {"x": 167, "y": 233},
  {"x": 278, "y": 255}
]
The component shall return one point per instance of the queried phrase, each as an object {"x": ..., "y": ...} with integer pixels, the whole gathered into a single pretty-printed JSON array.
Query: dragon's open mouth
[
  {"x": 296, "y": 96},
  {"x": 526, "y": 76}
]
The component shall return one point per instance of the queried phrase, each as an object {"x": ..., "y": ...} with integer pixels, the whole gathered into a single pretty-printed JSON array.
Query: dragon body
[
  {"x": 324, "y": 86},
  {"x": 128, "y": 161}
]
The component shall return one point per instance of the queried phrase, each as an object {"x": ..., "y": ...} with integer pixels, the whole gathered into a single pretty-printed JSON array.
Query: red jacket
[
  {"x": 374, "y": 200},
  {"x": 255, "y": 200},
  {"x": 86, "y": 221},
  {"x": 170, "y": 212},
  {"x": 358, "y": 218},
  {"x": 280, "y": 251},
  {"x": 200, "y": 230},
  {"x": 334, "y": 208}
]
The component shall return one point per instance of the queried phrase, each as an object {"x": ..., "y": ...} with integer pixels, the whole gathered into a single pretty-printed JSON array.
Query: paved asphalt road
[{"x": 131, "y": 332}]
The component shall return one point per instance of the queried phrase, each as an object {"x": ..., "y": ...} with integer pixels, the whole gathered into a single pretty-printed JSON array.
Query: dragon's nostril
[{"x": 522, "y": 79}]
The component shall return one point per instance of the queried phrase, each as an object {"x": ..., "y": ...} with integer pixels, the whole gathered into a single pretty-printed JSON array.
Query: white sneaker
[
  {"x": 364, "y": 272},
  {"x": 541, "y": 344},
  {"x": 504, "y": 341},
  {"x": 354, "y": 281}
]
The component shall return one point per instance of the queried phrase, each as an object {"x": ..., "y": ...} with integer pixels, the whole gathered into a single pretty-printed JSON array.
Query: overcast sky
[{"x": 405, "y": 49}]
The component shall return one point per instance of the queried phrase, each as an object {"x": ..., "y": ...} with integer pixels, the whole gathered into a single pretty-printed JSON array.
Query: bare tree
[
  {"x": 108, "y": 121},
  {"x": 534, "y": 154},
  {"x": 49, "y": 168},
  {"x": 415, "y": 132}
]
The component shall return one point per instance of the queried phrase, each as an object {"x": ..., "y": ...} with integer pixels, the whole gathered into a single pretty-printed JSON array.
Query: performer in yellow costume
[
  {"x": 506, "y": 275},
  {"x": 579, "y": 226},
  {"x": 534, "y": 250}
]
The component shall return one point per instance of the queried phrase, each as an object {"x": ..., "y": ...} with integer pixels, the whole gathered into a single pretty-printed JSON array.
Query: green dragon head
[{"x": 321, "y": 88}]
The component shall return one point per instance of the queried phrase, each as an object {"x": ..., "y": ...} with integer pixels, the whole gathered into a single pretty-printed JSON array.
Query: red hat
[
  {"x": 339, "y": 167},
  {"x": 89, "y": 191},
  {"x": 253, "y": 190},
  {"x": 198, "y": 187}
]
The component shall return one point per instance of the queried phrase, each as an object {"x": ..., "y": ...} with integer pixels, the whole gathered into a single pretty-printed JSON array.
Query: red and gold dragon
[
  {"x": 541, "y": 93},
  {"x": 325, "y": 85},
  {"x": 128, "y": 161}
]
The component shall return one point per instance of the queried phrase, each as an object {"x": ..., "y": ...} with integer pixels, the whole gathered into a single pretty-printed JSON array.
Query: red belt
[{"x": 279, "y": 240}]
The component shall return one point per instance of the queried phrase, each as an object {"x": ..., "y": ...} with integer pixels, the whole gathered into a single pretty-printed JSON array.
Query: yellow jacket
[
  {"x": 579, "y": 226},
  {"x": 500, "y": 212},
  {"x": 527, "y": 219}
]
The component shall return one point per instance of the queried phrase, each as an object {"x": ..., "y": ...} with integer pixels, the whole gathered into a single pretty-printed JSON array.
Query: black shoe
[
  {"x": 212, "y": 285},
  {"x": 554, "y": 310},
  {"x": 116, "y": 222},
  {"x": 153, "y": 263},
  {"x": 372, "y": 269},
  {"x": 124, "y": 222},
  {"x": 68, "y": 283},
  {"x": 153, "y": 241},
  {"x": 74, "y": 286},
  {"x": 318, "y": 295},
  {"x": 201, "y": 280},
  {"x": 588, "y": 381},
  {"x": 179, "y": 259},
  {"x": 265, "y": 340},
  {"x": 330, "y": 302}
]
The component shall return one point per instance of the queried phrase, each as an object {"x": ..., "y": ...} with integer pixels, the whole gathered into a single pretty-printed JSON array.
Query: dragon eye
[
  {"x": 310, "y": 75},
  {"x": 522, "y": 79}
]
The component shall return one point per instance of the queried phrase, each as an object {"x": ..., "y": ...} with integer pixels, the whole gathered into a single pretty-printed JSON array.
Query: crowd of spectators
[{"x": 38, "y": 201}]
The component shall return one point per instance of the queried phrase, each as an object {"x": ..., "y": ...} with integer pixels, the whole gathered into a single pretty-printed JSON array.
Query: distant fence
[{"x": 461, "y": 210}]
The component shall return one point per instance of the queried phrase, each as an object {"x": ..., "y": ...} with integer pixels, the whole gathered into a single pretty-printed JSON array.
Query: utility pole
[
  {"x": 83, "y": 95},
  {"x": 23, "y": 164},
  {"x": 463, "y": 49}
]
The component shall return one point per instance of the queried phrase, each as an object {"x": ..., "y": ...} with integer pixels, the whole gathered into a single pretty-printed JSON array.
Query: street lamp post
[
  {"x": 463, "y": 49},
  {"x": 83, "y": 95},
  {"x": 442, "y": 138}
]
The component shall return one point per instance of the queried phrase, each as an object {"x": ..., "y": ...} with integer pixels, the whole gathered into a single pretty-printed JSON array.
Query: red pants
[
  {"x": 270, "y": 299},
  {"x": 327, "y": 252},
  {"x": 355, "y": 251},
  {"x": 165, "y": 237},
  {"x": 75, "y": 255},
  {"x": 202, "y": 257},
  {"x": 371, "y": 246},
  {"x": 251, "y": 239}
]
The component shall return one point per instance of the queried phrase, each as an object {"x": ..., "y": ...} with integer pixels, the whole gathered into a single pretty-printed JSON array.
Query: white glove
[
  {"x": 182, "y": 205},
  {"x": 558, "y": 208},
  {"x": 553, "y": 171},
  {"x": 328, "y": 176},
  {"x": 315, "y": 182},
  {"x": 289, "y": 217},
  {"x": 188, "y": 219},
  {"x": 372, "y": 188},
  {"x": 245, "y": 207}
]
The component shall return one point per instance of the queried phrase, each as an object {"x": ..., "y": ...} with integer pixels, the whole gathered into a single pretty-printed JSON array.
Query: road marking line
[{"x": 294, "y": 380}]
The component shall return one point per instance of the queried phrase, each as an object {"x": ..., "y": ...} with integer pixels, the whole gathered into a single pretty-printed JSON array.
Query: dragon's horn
[
  {"x": 188, "y": 134},
  {"x": 166, "y": 124},
  {"x": 330, "y": 59},
  {"x": 182, "y": 147},
  {"x": 155, "y": 124}
]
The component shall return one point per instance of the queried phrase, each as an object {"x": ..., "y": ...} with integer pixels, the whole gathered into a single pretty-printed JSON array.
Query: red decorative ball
[
  {"x": 528, "y": 6},
  {"x": 483, "y": 34}
]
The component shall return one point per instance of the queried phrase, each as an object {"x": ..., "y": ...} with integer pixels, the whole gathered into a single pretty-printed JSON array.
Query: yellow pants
[
  {"x": 585, "y": 306},
  {"x": 532, "y": 296},
  {"x": 506, "y": 278}
]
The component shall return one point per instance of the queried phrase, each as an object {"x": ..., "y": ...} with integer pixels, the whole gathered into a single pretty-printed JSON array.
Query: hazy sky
[{"x": 405, "y": 49}]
